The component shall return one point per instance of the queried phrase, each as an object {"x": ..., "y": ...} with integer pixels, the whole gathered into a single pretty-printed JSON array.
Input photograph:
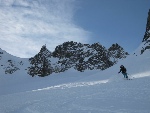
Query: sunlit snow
[{"x": 79, "y": 92}]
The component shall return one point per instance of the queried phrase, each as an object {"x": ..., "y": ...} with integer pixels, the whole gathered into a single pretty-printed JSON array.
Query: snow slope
[{"x": 76, "y": 92}]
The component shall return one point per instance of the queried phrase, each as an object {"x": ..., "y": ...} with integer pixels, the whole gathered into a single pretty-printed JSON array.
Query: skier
[{"x": 124, "y": 71}]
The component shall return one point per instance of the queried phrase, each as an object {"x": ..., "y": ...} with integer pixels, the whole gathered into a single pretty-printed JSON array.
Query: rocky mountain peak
[
  {"x": 146, "y": 39},
  {"x": 78, "y": 56},
  {"x": 147, "y": 32},
  {"x": 75, "y": 55}
]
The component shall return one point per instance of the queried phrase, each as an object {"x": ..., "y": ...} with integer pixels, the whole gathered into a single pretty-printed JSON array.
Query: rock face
[
  {"x": 9, "y": 64},
  {"x": 68, "y": 55},
  {"x": 146, "y": 38},
  {"x": 75, "y": 55},
  {"x": 147, "y": 32},
  {"x": 117, "y": 52}
]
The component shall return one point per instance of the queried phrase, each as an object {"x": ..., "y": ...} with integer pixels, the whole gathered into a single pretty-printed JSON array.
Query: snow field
[
  {"x": 75, "y": 92},
  {"x": 111, "y": 97}
]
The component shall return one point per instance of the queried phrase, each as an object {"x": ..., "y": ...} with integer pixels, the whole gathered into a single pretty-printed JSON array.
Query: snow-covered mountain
[
  {"x": 91, "y": 91},
  {"x": 69, "y": 55},
  {"x": 10, "y": 64}
]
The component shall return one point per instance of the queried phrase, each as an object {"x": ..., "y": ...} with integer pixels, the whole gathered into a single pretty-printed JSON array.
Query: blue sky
[
  {"x": 114, "y": 21},
  {"x": 26, "y": 25}
]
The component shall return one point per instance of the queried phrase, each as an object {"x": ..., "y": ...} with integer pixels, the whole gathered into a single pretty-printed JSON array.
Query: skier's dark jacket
[{"x": 123, "y": 69}]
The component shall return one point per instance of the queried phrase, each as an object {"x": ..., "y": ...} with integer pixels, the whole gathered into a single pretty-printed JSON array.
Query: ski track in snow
[
  {"x": 139, "y": 75},
  {"x": 81, "y": 84},
  {"x": 72, "y": 92},
  {"x": 70, "y": 85},
  {"x": 114, "y": 95}
]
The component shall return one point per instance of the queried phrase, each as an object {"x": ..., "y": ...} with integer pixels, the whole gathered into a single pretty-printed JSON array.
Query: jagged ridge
[
  {"x": 146, "y": 39},
  {"x": 75, "y": 55}
]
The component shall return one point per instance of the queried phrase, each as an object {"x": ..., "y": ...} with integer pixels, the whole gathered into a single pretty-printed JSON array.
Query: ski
[{"x": 128, "y": 79}]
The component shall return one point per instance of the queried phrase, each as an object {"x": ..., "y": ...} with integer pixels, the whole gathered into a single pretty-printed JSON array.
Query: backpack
[{"x": 124, "y": 70}]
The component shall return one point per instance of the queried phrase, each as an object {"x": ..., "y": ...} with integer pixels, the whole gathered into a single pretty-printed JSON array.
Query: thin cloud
[{"x": 27, "y": 25}]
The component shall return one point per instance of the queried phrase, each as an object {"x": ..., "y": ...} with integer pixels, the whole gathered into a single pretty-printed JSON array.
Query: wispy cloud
[{"x": 26, "y": 25}]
